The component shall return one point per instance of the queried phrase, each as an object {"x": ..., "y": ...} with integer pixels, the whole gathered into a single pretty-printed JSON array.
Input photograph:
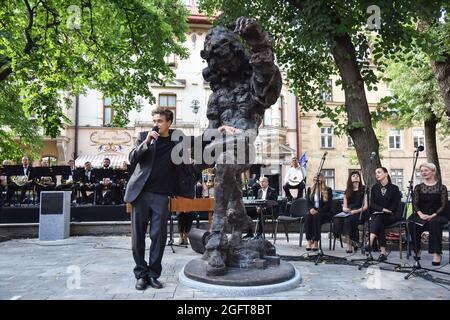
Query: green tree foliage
[
  {"x": 317, "y": 39},
  {"x": 416, "y": 99},
  {"x": 51, "y": 47}
]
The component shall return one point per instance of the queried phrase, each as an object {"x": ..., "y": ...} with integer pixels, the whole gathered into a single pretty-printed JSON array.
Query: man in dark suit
[
  {"x": 154, "y": 179},
  {"x": 87, "y": 181},
  {"x": 264, "y": 193},
  {"x": 70, "y": 182},
  {"x": 108, "y": 183},
  {"x": 29, "y": 185}
]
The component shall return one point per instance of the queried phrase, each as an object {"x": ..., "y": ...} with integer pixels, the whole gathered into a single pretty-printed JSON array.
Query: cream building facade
[{"x": 396, "y": 146}]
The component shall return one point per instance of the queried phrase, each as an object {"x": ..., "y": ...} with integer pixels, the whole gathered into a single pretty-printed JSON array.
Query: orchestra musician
[
  {"x": 70, "y": 182},
  {"x": 88, "y": 182},
  {"x": 45, "y": 183},
  {"x": 264, "y": 193},
  {"x": 21, "y": 183},
  {"x": 109, "y": 184},
  {"x": 294, "y": 180},
  {"x": 3, "y": 181}
]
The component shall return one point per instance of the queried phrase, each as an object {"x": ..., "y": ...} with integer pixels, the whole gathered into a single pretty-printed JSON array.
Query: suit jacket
[
  {"x": 271, "y": 194},
  {"x": 30, "y": 173},
  {"x": 142, "y": 158},
  {"x": 85, "y": 179}
]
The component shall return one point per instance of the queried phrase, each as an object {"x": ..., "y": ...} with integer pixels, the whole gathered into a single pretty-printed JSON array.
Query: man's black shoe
[
  {"x": 382, "y": 258},
  {"x": 153, "y": 282},
  {"x": 141, "y": 284}
]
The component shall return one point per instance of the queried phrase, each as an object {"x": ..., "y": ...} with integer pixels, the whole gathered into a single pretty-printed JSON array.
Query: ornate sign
[{"x": 110, "y": 141}]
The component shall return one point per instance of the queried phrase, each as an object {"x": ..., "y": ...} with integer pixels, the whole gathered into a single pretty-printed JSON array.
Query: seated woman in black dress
[
  {"x": 319, "y": 208},
  {"x": 353, "y": 204},
  {"x": 384, "y": 200},
  {"x": 429, "y": 202}
]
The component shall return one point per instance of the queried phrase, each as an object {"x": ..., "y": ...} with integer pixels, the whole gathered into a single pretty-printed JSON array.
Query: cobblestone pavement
[{"x": 101, "y": 268}]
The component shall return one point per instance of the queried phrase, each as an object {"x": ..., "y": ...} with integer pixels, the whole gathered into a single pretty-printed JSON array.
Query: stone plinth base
[{"x": 241, "y": 282}]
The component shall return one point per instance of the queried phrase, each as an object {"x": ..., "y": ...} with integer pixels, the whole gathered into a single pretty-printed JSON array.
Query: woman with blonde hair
[
  {"x": 429, "y": 201},
  {"x": 319, "y": 198}
]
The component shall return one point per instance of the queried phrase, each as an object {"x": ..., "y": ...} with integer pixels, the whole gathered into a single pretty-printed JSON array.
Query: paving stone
[{"x": 105, "y": 269}]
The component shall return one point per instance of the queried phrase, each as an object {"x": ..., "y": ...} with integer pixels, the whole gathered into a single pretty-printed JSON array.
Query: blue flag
[{"x": 303, "y": 161}]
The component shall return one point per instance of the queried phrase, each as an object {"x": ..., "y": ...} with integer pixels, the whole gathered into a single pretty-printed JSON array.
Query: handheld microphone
[
  {"x": 420, "y": 148},
  {"x": 156, "y": 129},
  {"x": 372, "y": 155}
]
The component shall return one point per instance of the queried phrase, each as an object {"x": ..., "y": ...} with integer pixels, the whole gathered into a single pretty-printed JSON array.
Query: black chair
[
  {"x": 447, "y": 227},
  {"x": 336, "y": 207},
  {"x": 400, "y": 226},
  {"x": 297, "y": 211}
]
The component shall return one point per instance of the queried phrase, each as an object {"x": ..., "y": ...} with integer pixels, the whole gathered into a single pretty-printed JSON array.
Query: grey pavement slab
[{"x": 102, "y": 268}]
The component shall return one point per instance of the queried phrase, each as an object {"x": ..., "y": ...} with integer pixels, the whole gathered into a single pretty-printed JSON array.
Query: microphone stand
[
  {"x": 369, "y": 258},
  {"x": 320, "y": 255},
  {"x": 416, "y": 269}
]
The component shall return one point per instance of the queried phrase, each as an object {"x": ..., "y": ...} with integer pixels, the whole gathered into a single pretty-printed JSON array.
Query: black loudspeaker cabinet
[{"x": 197, "y": 239}]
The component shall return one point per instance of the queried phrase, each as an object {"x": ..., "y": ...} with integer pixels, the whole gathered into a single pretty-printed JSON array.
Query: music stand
[
  {"x": 61, "y": 171},
  {"x": 40, "y": 172}
]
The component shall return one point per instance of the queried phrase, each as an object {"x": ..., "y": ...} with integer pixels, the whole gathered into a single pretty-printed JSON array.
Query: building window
[
  {"x": 52, "y": 161},
  {"x": 169, "y": 101},
  {"x": 327, "y": 94},
  {"x": 350, "y": 143},
  {"x": 171, "y": 60},
  {"x": 107, "y": 112},
  {"x": 397, "y": 178},
  {"x": 329, "y": 177},
  {"x": 395, "y": 139},
  {"x": 326, "y": 137},
  {"x": 418, "y": 177},
  {"x": 418, "y": 137}
]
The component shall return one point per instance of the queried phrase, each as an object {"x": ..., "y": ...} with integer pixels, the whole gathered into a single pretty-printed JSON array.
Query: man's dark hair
[
  {"x": 167, "y": 113},
  {"x": 107, "y": 159}
]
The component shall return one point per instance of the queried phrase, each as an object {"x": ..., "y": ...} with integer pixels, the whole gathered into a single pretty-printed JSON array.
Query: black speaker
[{"x": 198, "y": 239}]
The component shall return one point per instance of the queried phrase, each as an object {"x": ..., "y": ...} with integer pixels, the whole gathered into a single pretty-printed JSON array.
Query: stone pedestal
[
  {"x": 241, "y": 282},
  {"x": 54, "y": 215}
]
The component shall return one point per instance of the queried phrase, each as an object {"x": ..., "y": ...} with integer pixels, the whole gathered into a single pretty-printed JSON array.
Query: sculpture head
[{"x": 226, "y": 56}]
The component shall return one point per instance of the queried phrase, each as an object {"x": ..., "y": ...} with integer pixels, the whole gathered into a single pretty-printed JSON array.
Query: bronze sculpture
[{"x": 244, "y": 84}]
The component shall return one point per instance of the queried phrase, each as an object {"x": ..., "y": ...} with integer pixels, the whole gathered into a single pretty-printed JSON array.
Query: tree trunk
[
  {"x": 430, "y": 142},
  {"x": 442, "y": 73},
  {"x": 357, "y": 108}
]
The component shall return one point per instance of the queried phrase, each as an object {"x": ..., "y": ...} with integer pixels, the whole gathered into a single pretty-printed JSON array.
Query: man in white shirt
[{"x": 294, "y": 180}]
